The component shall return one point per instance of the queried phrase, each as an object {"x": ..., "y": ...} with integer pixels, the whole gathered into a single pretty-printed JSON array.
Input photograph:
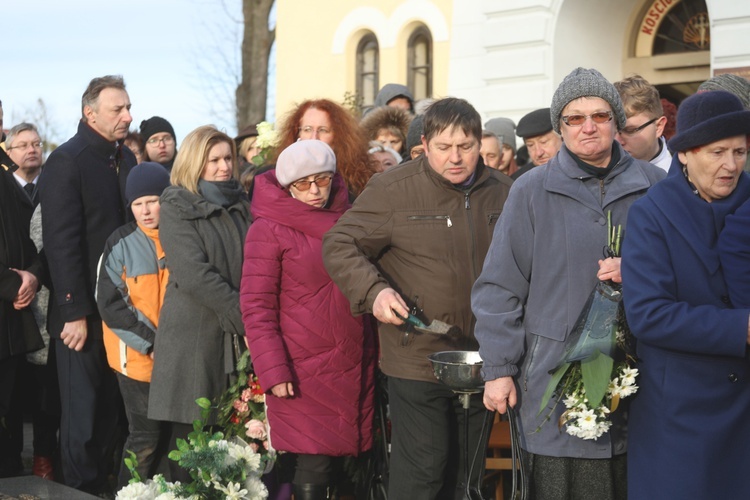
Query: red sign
[{"x": 655, "y": 13}]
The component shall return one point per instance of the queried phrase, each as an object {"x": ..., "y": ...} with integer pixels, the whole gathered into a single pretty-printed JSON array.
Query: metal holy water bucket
[{"x": 460, "y": 371}]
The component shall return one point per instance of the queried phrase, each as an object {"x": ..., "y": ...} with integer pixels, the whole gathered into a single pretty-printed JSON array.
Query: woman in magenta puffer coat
[{"x": 314, "y": 359}]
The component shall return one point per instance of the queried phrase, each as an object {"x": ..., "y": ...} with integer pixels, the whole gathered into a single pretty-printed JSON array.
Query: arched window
[
  {"x": 368, "y": 60},
  {"x": 419, "y": 60},
  {"x": 685, "y": 29}
]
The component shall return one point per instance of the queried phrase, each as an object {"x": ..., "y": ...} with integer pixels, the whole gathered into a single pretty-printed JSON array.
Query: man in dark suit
[
  {"x": 82, "y": 198},
  {"x": 20, "y": 272},
  {"x": 24, "y": 147}
]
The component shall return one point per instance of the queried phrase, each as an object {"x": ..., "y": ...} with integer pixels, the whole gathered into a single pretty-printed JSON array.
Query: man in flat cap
[{"x": 541, "y": 140}]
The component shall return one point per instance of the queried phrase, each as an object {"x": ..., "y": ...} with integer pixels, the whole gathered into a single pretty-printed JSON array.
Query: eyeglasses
[
  {"x": 156, "y": 140},
  {"x": 635, "y": 130},
  {"x": 321, "y": 182},
  {"x": 25, "y": 145},
  {"x": 579, "y": 120},
  {"x": 309, "y": 131}
]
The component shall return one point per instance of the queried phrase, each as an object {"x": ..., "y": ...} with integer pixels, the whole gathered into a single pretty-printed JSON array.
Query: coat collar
[
  {"x": 564, "y": 177},
  {"x": 272, "y": 202},
  {"x": 698, "y": 222},
  {"x": 192, "y": 205}
]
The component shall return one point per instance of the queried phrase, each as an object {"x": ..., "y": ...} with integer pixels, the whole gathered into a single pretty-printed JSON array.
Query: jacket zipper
[{"x": 446, "y": 218}]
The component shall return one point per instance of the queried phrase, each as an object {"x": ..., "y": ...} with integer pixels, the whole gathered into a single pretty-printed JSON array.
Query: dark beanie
[
  {"x": 146, "y": 179},
  {"x": 708, "y": 117},
  {"x": 154, "y": 125},
  {"x": 534, "y": 124},
  {"x": 414, "y": 135}
]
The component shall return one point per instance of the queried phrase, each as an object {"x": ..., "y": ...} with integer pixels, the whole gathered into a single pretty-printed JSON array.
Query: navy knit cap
[
  {"x": 146, "y": 179},
  {"x": 707, "y": 117},
  {"x": 154, "y": 125}
]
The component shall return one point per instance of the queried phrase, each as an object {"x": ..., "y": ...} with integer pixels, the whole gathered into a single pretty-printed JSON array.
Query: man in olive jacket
[{"x": 415, "y": 241}]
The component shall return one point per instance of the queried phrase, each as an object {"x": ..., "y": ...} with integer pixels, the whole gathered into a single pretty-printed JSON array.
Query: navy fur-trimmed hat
[{"x": 707, "y": 117}]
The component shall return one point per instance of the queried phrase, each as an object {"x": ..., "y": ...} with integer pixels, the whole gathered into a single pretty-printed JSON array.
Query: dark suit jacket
[
  {"x": 82, "y": 193},
  {"x": 18, "y": 330}
]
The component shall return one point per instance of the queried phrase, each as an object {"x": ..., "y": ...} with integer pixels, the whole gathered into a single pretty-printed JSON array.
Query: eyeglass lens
[
  {"x": 578, "y": 120},
  {"x": 305, "y": 185}
]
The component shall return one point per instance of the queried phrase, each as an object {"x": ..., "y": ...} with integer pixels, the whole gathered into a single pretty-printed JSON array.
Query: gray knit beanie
[
  {"x": 504, "y": 129},
  {"x": 585, "y": 83},
  {"x": 733, "y": 84}
]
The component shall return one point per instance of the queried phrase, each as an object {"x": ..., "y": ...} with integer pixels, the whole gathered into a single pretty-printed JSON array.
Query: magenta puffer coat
[{"x": 300, "y": 329}]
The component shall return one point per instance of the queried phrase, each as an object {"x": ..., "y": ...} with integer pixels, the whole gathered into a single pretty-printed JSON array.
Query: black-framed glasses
[
  {"x": 321, "y": 182},
  {"x": 578, "y": 120},
  {"x": 635, "y": 130}
]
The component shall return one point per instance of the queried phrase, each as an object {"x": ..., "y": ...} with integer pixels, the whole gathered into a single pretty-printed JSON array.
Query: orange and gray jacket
[{"x": 129, "y": 294}]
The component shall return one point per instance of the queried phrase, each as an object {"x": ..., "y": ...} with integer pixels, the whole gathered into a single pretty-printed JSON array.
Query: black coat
[
  {"x": 82, "y": 193},
  {"x": 18, "y": 330}
]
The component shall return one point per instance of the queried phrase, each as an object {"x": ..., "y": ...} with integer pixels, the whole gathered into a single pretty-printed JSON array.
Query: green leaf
[
  {"x": 556, "y": 377},
  {"x": 175, "y": 455},
  {"x": 204, "y": 403},
  {"x": 596, "y": 371}
]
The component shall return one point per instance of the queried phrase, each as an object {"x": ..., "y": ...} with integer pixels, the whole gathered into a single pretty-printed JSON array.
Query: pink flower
[
  {"x": 255, "y": 429},
  {"x": 254, "y": 447},
  {"x": 247, "y": 394},
  {"x": 240, "y": 406}
]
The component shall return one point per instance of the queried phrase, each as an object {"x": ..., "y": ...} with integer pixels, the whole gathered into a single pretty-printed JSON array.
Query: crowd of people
[{"x": 135, "y": 274}]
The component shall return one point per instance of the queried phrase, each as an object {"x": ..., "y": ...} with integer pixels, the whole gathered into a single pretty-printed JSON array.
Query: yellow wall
[{"x": 316, "y": 45}]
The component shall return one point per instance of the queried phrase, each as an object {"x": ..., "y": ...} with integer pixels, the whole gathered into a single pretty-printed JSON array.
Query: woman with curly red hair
[{"x": 329, "y": 122}]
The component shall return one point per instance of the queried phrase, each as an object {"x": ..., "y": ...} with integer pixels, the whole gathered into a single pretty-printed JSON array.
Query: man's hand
[
  {"x": 283, "y": 390},
  {"x": 74, "y": 334},
  {"x": 499, "y": 393},
  {"x": 387, "y": 301},
  {"x": 27, "y": 291},
  {"x": 609, "y": 269}
]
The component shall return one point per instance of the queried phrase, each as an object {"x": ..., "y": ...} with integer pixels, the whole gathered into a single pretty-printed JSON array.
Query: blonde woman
[{"x": 204, "y": 219}]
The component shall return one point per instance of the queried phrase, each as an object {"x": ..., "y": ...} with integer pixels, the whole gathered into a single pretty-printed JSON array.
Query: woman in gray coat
[{"x": 204, "y": 219}]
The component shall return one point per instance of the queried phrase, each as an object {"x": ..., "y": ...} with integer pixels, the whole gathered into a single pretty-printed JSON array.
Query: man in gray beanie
[
  {"x": 544, "y": 261},
  {"x": 586, "y": 83},
  {"x": 504, "y": 131}
]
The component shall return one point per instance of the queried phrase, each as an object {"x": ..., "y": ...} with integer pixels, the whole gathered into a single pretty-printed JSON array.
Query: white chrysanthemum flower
[
  {"x": 586, "y": 419},
  {"x": 232, "y": 491},
  {"x": 135, "y": 491},
  {"x": 570, "y": 401},
  {"x": 167, "y": 496},
  {"x": 256, "y": 489},
  {"x": 628, "y": 390}
]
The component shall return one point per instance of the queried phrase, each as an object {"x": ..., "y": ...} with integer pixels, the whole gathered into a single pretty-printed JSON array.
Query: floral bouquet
[
  {"x": 241, "y": 411},
  {"x": 588, "y": 380},
  {"x": 220, "y": 468},
  {"x": 267, "y": 140}
]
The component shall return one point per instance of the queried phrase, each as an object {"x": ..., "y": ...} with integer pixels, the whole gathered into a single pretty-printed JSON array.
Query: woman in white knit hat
[{"x": 315, "y": 360}]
